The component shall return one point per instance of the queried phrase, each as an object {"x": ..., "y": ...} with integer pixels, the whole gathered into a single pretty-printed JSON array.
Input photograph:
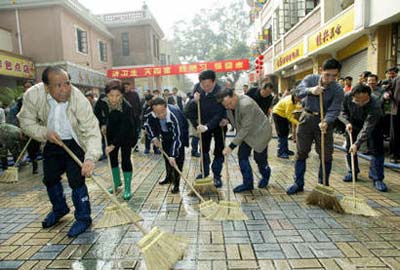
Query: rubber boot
[
  {"x": 299, "y": 171},
  {"x": 265, "y": 173},
  {"x": 206, "y": 167},
  {"x": 80, "y": 198},
  {"x": 116, "y": 179},
  {"x": 328, "y": 168},
  {"x": 349, "y": 176},
  {"x": 247, "y": 173},
  {"x": 217, "y": 168},
  {"x": 127, "y": 185},
  {"x": 60, "y": 207},
  {"x": 376, "y": 172}
]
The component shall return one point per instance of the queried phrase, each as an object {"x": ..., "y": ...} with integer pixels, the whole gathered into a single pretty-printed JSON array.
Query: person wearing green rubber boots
[{"x": 119, "y": 127}]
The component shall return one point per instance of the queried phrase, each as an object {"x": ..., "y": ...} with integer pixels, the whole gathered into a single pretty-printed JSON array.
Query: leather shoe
[
  {"x": 380, "y": 186},
  {"x": 294, "y": 189},
  {"x": 263, "y": 183},
  {"x": 175, "y": 190},
  {"x": 242, "y": 188},
  {"x": 217, "y": 182},
  {"x": 164, "y": 182}
]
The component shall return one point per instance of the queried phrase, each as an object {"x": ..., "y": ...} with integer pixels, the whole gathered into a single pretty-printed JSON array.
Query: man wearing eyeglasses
[
  {"x": 58, "y": 113},
  {"x": 310, "y": 125}
]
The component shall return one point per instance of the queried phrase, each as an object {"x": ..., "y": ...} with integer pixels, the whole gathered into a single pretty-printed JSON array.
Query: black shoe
[
  {"x": 175, "y": 190},
  {"x": 195, "y": 154},
  {"x": 165, "y": 181}
]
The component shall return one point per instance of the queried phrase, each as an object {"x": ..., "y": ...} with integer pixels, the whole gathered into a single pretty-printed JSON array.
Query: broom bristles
[
  {"x": 204, "y": 185},
  {"x": 208, "y": 209},
  {"x": 358, "y": 206},
  {"x": 114, "y": 216},
  {"x": 10, "y": 175},
  {"x": 325, "y": 198},
  {"x": 229, "y": 210},
  {"x": 162, "y": 250}
]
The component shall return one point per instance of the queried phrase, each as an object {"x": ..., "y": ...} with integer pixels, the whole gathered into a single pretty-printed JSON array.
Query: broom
[
  {"x": 207, "y": 208},
  {"x": 205, "y": 184},
  {"x": 160, "y": 250},
  {"x": 113, "y": 216},
  {"x": 353, "y": 205},
  {"x": 323, "y": 195},
  {"x": 11, "y": 174}
]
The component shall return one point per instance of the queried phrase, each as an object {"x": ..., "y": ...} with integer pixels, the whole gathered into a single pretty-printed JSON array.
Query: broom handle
[
  {"x": 109, "y": 165},
  {"x": 23, "y": 151},
  {"x": 353, "y": 173},
  {"x": 201, "y": 139},
  {"x": 105, "y": 191},
  {"x": 321, "y": 109},
  {"x": 226, "y": 167},
  {"x": 184, "y": 178}
]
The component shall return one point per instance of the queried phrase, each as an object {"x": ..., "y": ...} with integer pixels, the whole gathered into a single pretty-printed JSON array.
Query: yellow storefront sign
[
  {"x": 289, "y": 56},
  {"x": 16, "y": 67},
  {"x": 332, "y": 31}
]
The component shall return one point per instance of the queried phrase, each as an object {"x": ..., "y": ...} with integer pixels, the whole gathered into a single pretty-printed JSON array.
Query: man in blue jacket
[
  {"x": 169, "y": 123},
  {"x": 211, "y": 113}
]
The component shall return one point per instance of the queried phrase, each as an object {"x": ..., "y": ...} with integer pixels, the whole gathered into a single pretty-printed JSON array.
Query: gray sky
[{"x": 165, "y": 11}]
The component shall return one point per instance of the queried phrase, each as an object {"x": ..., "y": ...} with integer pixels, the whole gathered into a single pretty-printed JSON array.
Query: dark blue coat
[{"x": 178, "y": 129}]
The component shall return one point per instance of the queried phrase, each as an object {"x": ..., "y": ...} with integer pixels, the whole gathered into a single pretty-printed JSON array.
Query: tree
[{"x": 215, "y": 34}]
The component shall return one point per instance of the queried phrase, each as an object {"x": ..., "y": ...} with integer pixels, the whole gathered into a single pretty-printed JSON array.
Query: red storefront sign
[{"x": 153, "y": 71}]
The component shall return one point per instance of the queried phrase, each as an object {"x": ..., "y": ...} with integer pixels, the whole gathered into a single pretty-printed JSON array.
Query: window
[
  {"x": 81, "y": 41},
  {"x": 103, "y": 51},
  {"x": 125, "y": 44}
]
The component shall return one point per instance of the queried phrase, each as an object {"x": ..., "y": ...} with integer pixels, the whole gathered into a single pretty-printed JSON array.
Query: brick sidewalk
[{"x": 282, "y": 231}]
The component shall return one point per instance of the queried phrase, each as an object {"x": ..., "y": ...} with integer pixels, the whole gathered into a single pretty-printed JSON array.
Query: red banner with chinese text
[{"x": 152, "y": 71}]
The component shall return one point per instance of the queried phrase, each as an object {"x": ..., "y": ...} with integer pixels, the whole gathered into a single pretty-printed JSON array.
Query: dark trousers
[
  {"x": 395, "y": 135},
  {"x": 260, "y": 158},
  {"x": 33, "y": 150},
  {"x": 125, "y": 157},
  {"x": 172, "y": 174},
  {"x": 57, "y": 161},
  {"x": 218, "y": 147},
  {"x": 147, "y": 143},
  {"x": 282, "y": 126}
]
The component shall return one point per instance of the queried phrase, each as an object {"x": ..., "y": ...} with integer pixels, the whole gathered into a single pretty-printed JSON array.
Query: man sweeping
[
  {"x": 58, "y": 113},
  {"x": 253, "y": 132},
  {"x": 310, "y": 125},
  {"x": 167, "y": 122},
  {"x": 362, "y": 115}
]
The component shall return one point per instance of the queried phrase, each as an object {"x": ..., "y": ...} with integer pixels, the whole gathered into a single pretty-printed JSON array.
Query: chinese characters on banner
[
  {"x": 152, "y": 71},
  {"x": 289, "y": 56},
  {"x": 16, "y": 67},
  {"x": 343, "y": 25}
]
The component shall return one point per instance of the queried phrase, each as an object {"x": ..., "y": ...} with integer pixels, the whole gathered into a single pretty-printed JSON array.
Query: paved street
[{"x": 282, "y": 231}]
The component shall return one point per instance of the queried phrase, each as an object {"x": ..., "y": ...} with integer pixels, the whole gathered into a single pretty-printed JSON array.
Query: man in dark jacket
[
  {"x": 169, "y": 123},
  {"x": 175, "y": 99},
  {"x": 362, "y": 115},
  {"x": 263, "y": 97},
  {"x": 211, "y": 113}
]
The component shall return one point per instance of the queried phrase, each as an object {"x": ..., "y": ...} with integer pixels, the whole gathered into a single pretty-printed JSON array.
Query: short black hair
[
  {"x": 360, "y": 88},
  {"x": 166, "y": 89},
  {"x": 245, "y": 85},
  {"x": 227, "y": 92},
  {"x": 207, "y": 75},
  {"x": 373, "y": 75},
  {"x": 348, "y": 78},
  {"x": 156, "y": 91},
  {"x": 28, "y": 81},
  {"x": 148, "y": 97},
  {"x": 158, "y": 101},
  {"x": 51, "y": 69},
  {"x": 125, "y": 83},
  {"x": 268, "y": 85},
  {"x": 331, "y": 63},
  {"x": 365, "y": 74},
  {"x": 392, "y": 69},
  {"x": 114, "y": 84},
  {"x": 341, "y": 78}
]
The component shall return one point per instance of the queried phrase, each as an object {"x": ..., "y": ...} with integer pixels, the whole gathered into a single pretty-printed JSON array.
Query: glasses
[{"x": 59, "y": 85}]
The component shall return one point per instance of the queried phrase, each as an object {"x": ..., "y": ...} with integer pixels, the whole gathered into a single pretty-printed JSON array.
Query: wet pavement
[{"x": 282, "y": 231}]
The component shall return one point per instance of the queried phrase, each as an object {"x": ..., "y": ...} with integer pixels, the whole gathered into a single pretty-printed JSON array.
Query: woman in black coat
[{"x": 117, "y": 122}]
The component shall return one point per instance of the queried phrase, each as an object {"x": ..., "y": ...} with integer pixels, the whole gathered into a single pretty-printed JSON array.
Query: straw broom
[
  {"x": 353, "y": 205},
  {"x": 207, "y": 208},
  {"x": 11, "y": 174},
  {"x": 323, "y": 195},
  {"x": 113, "y": 216},
  {"x": 161, "y": 250},
  {"x": 205, "y": 184}
]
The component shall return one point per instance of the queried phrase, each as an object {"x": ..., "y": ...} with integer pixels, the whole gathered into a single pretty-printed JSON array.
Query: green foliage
[
  {"x": 215, "y": 34},
  {"x": 9, "y": 95}
]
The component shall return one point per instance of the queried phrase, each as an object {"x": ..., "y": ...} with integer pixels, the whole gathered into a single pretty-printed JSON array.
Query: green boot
[
  {"x": 116, "y": 179},
  {"x": 127, "y": 185}
]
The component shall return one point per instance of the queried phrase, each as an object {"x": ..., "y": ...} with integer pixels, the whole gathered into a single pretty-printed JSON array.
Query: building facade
[
  {"x": 59, "y": 32},
  {"x": 295, "y": 37}
]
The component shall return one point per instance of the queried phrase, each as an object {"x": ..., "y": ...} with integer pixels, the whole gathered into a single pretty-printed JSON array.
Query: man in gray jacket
[{"x": 253, "y": 132}]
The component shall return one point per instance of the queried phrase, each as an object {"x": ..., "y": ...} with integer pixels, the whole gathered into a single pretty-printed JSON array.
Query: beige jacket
[
  {"x": 252, "y": 126},
  {"x": 34, "y": 113}
]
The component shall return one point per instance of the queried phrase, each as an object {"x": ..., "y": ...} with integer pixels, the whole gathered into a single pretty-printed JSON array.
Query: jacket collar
[{"x": 167, "y": 118}]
